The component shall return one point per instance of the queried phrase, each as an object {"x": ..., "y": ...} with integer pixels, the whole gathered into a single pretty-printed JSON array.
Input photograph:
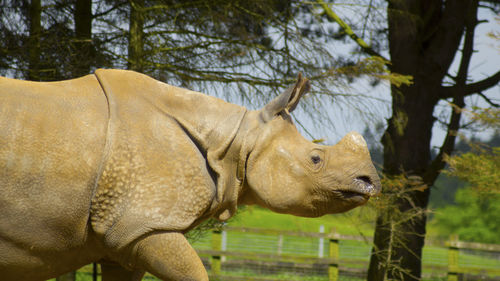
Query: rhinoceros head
[{"x": 289, "y": 174}]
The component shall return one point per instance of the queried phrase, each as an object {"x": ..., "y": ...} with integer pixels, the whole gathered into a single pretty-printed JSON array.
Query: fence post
[
  {"x": 333, "y": 254},
  {"x": 321, "y": 241},
  {"x": 216, "y": 258},
  {"x": 223, "y": 244},
  {"x": 280, "y": 244},
  {"x": 453, "y": 258}
]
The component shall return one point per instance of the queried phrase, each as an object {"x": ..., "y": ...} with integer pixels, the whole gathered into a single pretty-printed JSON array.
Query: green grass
[{"x": 359, "y": 221}]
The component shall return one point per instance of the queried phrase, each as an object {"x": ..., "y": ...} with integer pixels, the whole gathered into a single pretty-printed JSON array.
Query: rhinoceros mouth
[
  {"x": 364, "y": 186},
  {"x": 360, "y": 190},
  {"x": 353, "y": 195}
]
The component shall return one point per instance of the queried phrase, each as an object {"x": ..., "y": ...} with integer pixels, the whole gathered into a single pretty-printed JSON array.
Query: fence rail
[{"x": 241, "y": 253}]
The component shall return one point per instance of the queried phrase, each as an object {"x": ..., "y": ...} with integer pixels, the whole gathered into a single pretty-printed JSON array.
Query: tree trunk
[
  {"x": 135, "y": 43},
  {"x": 423, "y": 39},
  {"x": 35, "y": 32},
  {"x": 400, "y": 230},
  {"x": 82, "y": 52}
]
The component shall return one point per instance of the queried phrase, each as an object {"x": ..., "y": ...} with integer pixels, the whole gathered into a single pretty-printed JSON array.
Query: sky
[{"x": 485, "y": 62}]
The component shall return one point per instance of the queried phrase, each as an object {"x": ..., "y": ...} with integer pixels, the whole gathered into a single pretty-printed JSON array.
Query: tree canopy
[
  {"x": 474, "y": 216},
  {"x": 244, "y": 50}
]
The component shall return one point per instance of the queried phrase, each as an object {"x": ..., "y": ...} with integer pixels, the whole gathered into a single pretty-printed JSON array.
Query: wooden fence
[
  {"x": 331, "y": 262},
  {"x": 455, "y": 269},
  {"x": 244, "y": 260}
]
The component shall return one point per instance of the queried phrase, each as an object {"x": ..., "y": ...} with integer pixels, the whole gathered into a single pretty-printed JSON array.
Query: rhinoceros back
[{"x": 52, "y": 136}]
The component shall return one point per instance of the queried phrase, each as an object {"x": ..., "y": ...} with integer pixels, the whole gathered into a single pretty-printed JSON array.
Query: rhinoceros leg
[
  {"x": 114, "y": 272},
  {"x": 170, "y": 257}
]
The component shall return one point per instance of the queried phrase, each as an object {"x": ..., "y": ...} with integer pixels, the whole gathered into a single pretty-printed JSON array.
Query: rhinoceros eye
[{"x": 315, "y": 159}]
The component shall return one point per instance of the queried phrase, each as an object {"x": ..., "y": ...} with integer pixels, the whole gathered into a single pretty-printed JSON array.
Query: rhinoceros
[{"x": 115, "y": 167}]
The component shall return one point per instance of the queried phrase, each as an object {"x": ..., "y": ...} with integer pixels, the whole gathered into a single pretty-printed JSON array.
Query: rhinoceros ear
[{"x": 287, "y": 100}]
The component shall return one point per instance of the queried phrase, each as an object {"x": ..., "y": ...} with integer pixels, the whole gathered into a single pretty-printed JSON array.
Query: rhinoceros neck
[
  {"x": 216, "y": 127},
  {"x": 211, "y": 122}
]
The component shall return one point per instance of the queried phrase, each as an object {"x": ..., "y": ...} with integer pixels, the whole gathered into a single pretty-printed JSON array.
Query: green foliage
[
  {"x": 202, "y": 229},
  {"x": 475, "y": 215},
  {"x": 376, "y": 67},
  {"x": 474, "y": 218},
  {"x": 444, "y": 189},
  {"x": 483, "y": 117},
  {"x": 481, "y": 170},
  {"x": 480, "y": 167},
  {"x": 446, "y": 185}
]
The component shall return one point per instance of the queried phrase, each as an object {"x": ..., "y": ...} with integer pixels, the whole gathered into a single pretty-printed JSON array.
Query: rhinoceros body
[{"x": 117, "y": 166}]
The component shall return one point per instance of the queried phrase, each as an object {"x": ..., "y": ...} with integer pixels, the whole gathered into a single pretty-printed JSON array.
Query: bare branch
[
  {"x": 461, "y": 87},
  {"x": 449, "y": 142},
  {"x": 458, "y": 97},
  {"x": 488, "y": 100},
  {"x": 347, "y": 29},
  {"x": 483, "y": 84},
  {"x": 448, "y": 30},
  {"x": 473, "y": 88},
  {"x": 110, "y": 10},
  {"x": 468, "y": 49}
]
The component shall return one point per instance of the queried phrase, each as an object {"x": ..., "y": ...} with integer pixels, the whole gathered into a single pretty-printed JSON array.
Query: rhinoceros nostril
[
  {"x": 365, "y": 179},
  {"x": 364, "y": 185}
]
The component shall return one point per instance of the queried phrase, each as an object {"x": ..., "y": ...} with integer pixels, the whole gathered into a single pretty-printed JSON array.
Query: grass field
[{"x": 359, "y": 222}]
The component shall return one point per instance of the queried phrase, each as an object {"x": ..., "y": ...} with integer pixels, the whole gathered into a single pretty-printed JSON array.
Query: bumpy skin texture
[{"x": 115, "y": 167}]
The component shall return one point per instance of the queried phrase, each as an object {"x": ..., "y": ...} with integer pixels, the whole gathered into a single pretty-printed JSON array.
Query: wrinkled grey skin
[{"x": 115, "y": 167}]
